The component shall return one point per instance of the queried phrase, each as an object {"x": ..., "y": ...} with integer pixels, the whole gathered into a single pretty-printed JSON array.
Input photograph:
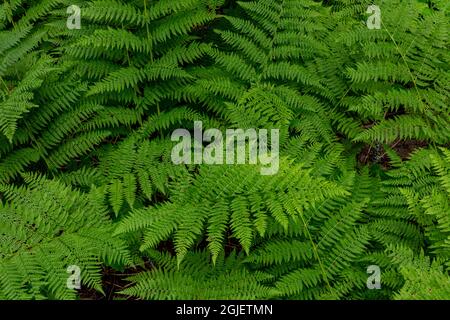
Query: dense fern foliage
[{"x": 87, "y": 178}]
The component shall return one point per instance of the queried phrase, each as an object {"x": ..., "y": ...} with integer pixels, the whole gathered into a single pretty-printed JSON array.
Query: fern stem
[
  {"x": 414, "y": 79},
  {"x": 4, "y": 83},
  {"x": 147, "y": 30},
  {"x": 316, "y": 253}
]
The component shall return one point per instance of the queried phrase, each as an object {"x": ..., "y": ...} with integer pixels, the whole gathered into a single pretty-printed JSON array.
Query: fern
[
  {"x": 87, "y": 179},
  {"x": 425, "y": 280},
  {"x": 196, "y": 280},
  {"x": 46, "y": 226}
]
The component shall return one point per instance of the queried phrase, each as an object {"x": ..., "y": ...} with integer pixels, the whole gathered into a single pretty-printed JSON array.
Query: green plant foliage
[
  {"x": 424, "y": 280},
  {"x": 46, "y": 227},
  {"x": 197, "y": 280},
  {"x": 86, "y": 171}
]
